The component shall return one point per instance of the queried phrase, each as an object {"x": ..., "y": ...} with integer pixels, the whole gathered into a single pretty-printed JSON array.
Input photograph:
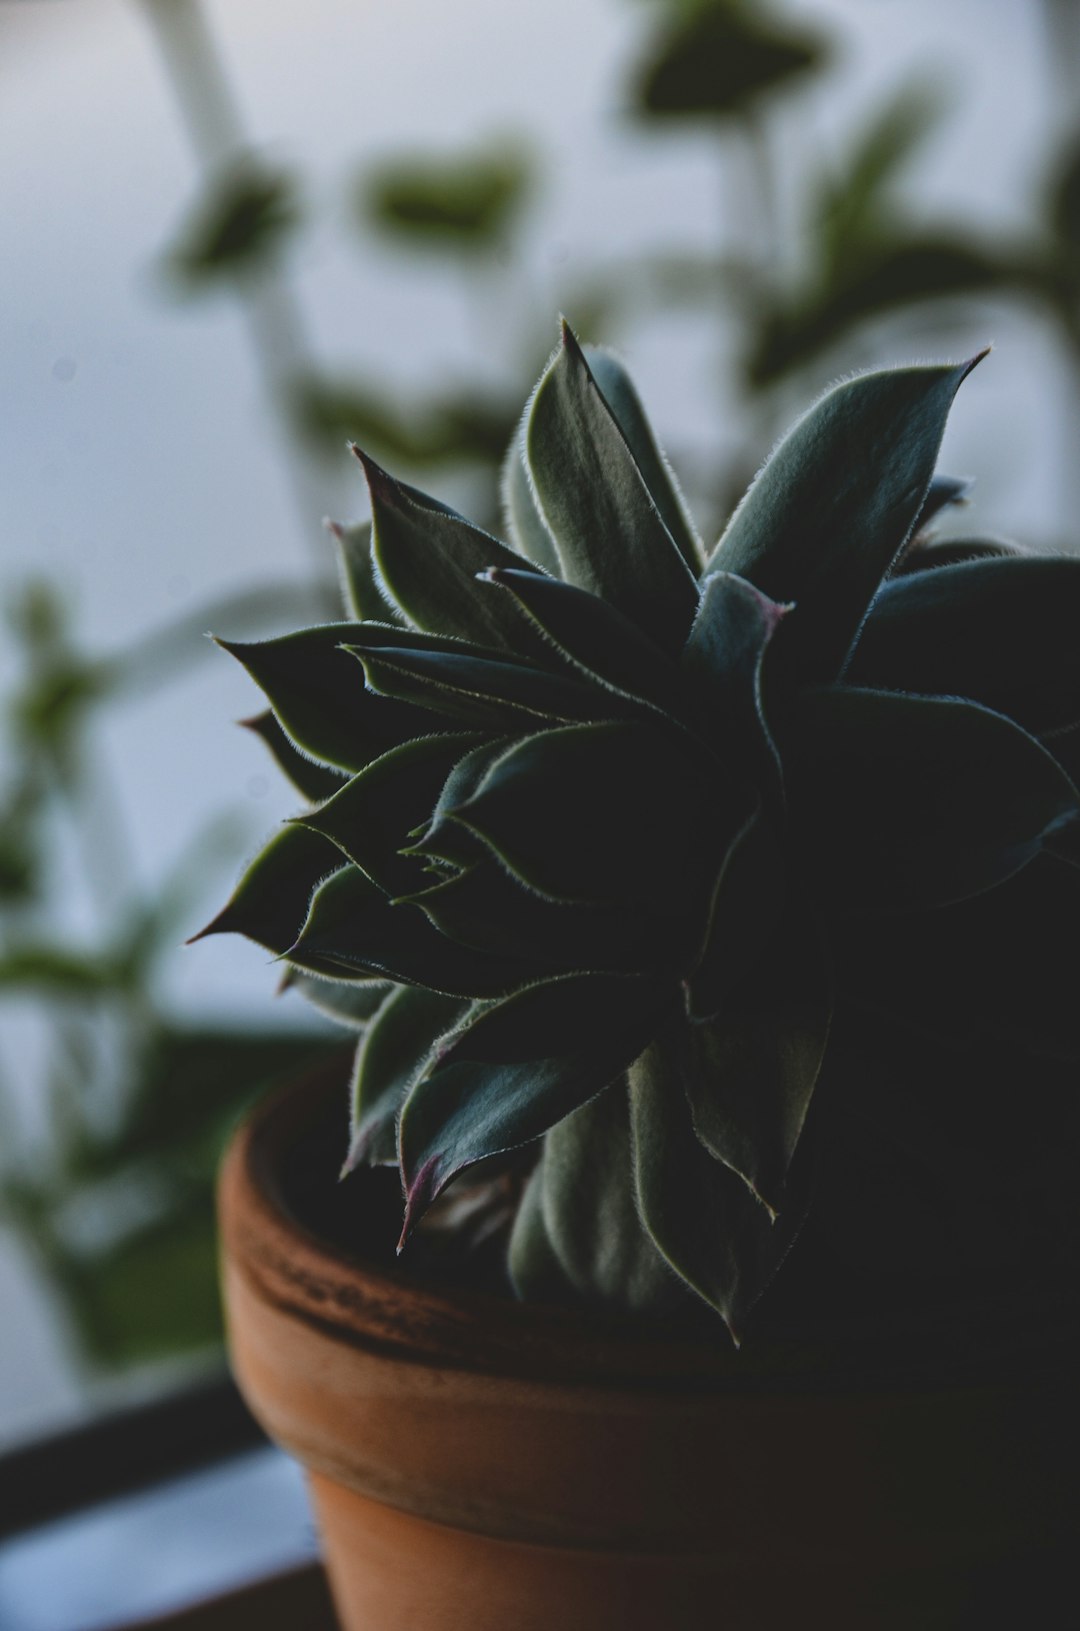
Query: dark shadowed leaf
[
  {"x": 1004, "y": 632},
  {"x": 902, "y": 803},
  {"x": 319, "y": 696},
  {"x": 1005, "y": 964},
  {"x": 826, "y": 517},
  {"x": 398, "y": 1042},
  {"x": 699, "y": 1214},
  {"x": 515, "y": 1069},
  {"x": 315, "y": 781},
  {"x": 353, "y": 930},
  {"x": 595, "y": 638},
  {"x": 749, "y": 1074},
  {"x": 611, "y": 538},
  {"x": 599, "y": 814},
  {"x": 928, "y": 555},
  {"x": 722, "y": 658}
]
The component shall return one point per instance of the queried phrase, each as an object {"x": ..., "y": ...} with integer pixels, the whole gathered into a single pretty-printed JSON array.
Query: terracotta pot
[{"x": 476, "y": 1463}]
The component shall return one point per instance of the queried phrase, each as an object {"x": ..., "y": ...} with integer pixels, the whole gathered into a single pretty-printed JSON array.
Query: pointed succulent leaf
[
  {"x": 364, "y": 595},
  {"x": 320, "y": 700},
  {"x": 315, "y": 781},
  {"x": 352, "y": 929},
  {"x": 610, "y": 536},
  {"x": 912, "y": 802},
  {"x": 1000, "y": 632},
  {"x": 579, "y": 1232},
  {"x": 628, "y": 823},
  {"x": 475, "y": 692},
  {"x": 750, "y": 1073},
  {"x": 525, "y": 524},
  {"x": 1003, "y": 965},
  {"x": 513, "y": 1070},
  {"x": 371, "y": 816},
  {"x": 350, "y": 1002},
  {"x": 703, "y": 1219},
  {"x": 427, "y": 559},
  {"x": 271, "y": 900},
  {"x": 392, "y": 1054},
  {"x": 723, "y": 656},
  {"x": 618, "y": 391},
  {"x": 835, "y": 504},
  {"x": 594, "y": 638}
]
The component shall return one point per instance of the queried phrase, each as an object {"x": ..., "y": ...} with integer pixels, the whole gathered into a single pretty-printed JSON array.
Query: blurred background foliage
[{"x": 115, "y": 1202}]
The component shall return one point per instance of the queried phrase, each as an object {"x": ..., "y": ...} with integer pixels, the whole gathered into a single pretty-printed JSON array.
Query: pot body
[{"x": 479, "y": 1464}]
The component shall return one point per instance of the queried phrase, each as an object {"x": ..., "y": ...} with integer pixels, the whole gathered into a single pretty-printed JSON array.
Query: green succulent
[{"x": 606, "y": 828}]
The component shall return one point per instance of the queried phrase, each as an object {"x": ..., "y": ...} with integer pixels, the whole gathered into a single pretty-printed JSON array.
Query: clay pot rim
[{"x": 415, "y": 1320}]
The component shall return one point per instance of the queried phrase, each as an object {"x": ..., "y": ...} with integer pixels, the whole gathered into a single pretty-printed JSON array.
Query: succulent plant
[{"x": 606, "y": 828}]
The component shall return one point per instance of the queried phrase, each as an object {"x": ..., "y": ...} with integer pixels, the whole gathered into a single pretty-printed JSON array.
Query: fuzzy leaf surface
[
  {"x": 390, "y": 1057},
  {"x": 1005, "y": 633},
  {"x": 428, "y": 558},
  {"x": 595, "y": 638},
  {"x": 515, "y": 1069},
  {"x": 610, "y": 536},
  {"x": 581, "y": 1234},
  {"x": 525, "y": 524},
  {"x": 349, "y": 1002},
  {"x": 903, "y": 803},
  {"x": 834, "y": 505},
  {"x": 474, "y": 692},
  {"x": 620, "y": 394},
  {"x": 364, "y": 596},
  {"x": 723, "y": 656}
]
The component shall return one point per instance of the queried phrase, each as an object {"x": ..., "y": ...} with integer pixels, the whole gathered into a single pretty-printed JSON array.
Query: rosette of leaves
[{"x": 605, "y": 826}]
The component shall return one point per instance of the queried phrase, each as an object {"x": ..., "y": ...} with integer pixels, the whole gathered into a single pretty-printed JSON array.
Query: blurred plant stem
[{"x": 279, "y": 338}]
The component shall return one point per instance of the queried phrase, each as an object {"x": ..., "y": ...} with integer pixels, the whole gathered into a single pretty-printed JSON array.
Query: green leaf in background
[
  {"x": 240, "y": 226},
  {"x": 466, "y": 203},
  {"x": 716, "y": 57},
  {"x": 468, "y": 424}
]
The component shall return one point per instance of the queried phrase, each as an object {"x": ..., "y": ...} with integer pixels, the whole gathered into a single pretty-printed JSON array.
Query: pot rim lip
[{"x": 323, "y": 1283}]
